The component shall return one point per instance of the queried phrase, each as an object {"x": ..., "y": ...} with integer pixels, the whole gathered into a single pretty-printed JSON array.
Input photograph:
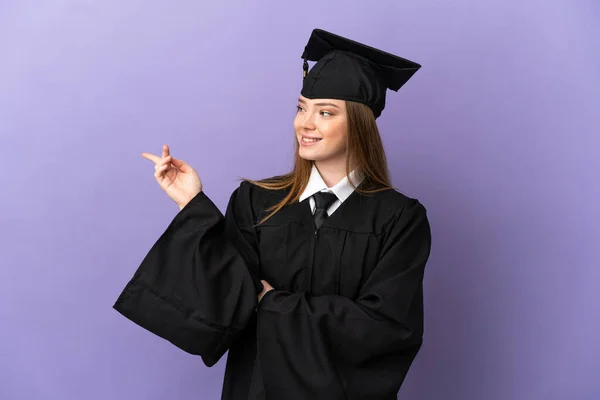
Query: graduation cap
[{"x": 348, "y": 70}]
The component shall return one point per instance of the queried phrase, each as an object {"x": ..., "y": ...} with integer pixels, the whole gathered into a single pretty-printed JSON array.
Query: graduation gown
[{"x": 345, "y": 320}]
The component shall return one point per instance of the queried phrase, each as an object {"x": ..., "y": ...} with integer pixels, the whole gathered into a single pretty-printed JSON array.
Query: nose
[{"x": 307, "y": 123}]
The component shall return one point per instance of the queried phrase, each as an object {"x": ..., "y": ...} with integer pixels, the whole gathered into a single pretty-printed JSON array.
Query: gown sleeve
[
  {"x": 314, "y": 332},
  {"x": 197, "y": 286}
]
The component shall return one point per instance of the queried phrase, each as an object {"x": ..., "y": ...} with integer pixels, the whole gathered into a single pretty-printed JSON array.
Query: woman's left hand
[{"x": 266, "y": 287}]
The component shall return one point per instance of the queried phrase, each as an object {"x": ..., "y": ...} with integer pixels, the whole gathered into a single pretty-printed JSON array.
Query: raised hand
[{"x": 175, "y": 177}]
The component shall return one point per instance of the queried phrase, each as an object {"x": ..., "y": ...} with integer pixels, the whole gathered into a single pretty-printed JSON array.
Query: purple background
[{"x": 497, "y": 135}]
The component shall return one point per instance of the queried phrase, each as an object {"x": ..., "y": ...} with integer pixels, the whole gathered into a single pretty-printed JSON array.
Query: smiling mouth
[{"x": 309, "y": 140}]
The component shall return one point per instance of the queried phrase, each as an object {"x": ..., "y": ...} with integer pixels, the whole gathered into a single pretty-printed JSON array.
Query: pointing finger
[{"x": 151, "y": 157}]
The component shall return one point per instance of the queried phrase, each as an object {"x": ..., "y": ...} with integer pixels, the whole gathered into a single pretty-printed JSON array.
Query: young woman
[{"x": 312, "y": 280}]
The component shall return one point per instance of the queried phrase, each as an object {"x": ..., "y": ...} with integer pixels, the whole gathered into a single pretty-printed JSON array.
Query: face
[{"x": 321, "y": 129}]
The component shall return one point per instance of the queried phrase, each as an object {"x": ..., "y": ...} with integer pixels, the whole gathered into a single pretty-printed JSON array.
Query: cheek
[
  {"x": 336, "y": 133},
  {"x": 297, "y": 124}
]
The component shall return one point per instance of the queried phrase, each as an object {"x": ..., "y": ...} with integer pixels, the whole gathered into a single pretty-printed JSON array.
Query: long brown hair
[{"x": 364, "y": 149}]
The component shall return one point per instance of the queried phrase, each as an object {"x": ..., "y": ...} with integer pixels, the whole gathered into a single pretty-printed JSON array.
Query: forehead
[{"x": 339, "y": 103}]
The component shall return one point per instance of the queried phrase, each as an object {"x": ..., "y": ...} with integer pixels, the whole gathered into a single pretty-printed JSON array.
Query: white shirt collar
[{"x": 343, "y": 189}]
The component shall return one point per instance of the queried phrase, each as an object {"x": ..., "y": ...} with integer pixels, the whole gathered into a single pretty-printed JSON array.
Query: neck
[{"x": 332, "y": 172}]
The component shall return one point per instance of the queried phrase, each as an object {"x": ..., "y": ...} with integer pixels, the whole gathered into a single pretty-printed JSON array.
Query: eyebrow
[{"x": 319, "y": 104}]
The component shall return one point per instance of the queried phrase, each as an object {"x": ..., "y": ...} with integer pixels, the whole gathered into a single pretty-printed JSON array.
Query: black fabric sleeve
[
  {"x": 313, "y": 332},
  {"x": 197, "y": 286}
]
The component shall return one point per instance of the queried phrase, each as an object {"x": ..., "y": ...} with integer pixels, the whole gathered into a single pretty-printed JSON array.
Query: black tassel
[{"x": 305, "y": 68}]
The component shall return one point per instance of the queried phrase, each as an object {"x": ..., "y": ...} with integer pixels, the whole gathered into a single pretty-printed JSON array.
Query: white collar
[{"x": 343, "y": 189}]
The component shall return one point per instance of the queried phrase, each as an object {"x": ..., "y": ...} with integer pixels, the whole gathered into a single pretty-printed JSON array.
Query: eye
[
  {"x": 327, "y": 113},
  {"x": 298, "y": 109}
]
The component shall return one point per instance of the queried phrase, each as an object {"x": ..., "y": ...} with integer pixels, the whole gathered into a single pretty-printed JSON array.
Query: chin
[{"x": 308, "y": 157}]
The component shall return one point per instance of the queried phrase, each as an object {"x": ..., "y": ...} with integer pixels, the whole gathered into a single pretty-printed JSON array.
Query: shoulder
[
  {"x": 257, "y": 192},
  {"x": 406, "y": 219},
  {"x": 395, "y": 203},
  {"x": 259, "y": 198}
]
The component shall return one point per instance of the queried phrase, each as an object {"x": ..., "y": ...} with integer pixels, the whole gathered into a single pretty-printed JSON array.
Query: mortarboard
[{"x": 348, "y": 70}]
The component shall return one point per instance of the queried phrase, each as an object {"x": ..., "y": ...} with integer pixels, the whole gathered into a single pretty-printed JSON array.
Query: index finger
[{"x": 151, "y": 157}]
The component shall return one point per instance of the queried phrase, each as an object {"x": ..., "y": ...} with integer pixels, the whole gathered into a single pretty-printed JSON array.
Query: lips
[{"x": 306, "y": 139}]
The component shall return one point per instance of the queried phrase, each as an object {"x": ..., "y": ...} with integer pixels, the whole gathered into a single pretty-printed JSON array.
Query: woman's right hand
[{"x": 175, "y": 177}]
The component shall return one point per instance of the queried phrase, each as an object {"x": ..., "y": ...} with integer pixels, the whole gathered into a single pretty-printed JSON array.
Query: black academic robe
[{"x": 345, "y": 320}]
